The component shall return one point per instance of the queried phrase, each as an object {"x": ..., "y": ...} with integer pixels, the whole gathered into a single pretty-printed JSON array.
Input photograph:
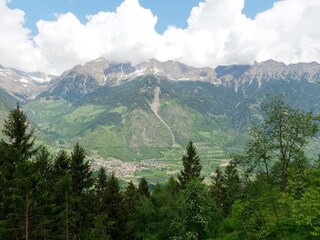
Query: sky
[{"x": 54, "y": 35}]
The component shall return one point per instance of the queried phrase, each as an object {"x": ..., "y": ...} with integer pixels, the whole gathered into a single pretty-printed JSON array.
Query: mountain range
[{"x": 148, "y": 111}]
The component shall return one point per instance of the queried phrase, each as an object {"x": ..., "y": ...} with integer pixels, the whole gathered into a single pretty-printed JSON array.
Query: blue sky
[{"x": 169, "y": 12}]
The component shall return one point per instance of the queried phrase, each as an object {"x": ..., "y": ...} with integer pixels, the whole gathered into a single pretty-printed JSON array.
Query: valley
[{"x": 137, "y": 119}]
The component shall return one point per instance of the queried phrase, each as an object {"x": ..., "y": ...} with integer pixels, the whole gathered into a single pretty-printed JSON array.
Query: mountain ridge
[
  {"x": 84, "y": 79},
  {"x": 150, "y": 110}
]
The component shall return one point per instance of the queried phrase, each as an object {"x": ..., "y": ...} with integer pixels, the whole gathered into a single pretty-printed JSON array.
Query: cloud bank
[{"x": 217, "y": 33}]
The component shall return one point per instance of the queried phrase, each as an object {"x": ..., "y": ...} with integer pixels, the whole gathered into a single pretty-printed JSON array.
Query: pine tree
[
  {"x": 20, "y": 142},
  {"x": 15, "y": 149},
  {"x": 43, "y": 162},
  {"x": 80, "y": 171},
  {"x": 130, "y": 196},
  {"x": 61, "y": 164},
  {"x": 101, "y": 190},
  {"x": 143, "y": 188},
  {"x": 218, "y": 189},
  {"x": 115, "y": 206},
  {"x": 82, "y": 182},
  {"x": 191, "y": 166},
  {"x": 172, "y": 187},
  {"x": 232, "y": 186},
  {"x": 66, "y": 215},
  {"x": 29, "y": 203}
]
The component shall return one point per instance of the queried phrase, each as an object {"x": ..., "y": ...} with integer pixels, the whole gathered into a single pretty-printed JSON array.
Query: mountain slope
[
  {"x": 22, "y": 85},
  {"x": 150, "y": 110}
]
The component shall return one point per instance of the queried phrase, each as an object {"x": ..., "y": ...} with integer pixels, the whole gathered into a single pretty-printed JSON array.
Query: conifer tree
[
  {"x": 44, "y": 164},
  {"x": 115, "y": 205},
  {"x": 101, "y": 190},
  {"x": 80, "y": 171},
  {"x": 66, "y": 216},
  {"x": 20, "y": 142},
  {"x": 218, "y": 189},
  {"x": 172, "y": 187},
  {"x": 232, "y": 187},
  {"x": 191, "y": 166},
  {"x": 82, "y": 182},
  {"x": 15, "y": 149},
  {"x": 18, "y": 145},
  {"x": 29, "y": 203},
  {"x": 143, "y": 188},
  {"x": 130, "y": 196},
  {"x": 61, "y": 164}
]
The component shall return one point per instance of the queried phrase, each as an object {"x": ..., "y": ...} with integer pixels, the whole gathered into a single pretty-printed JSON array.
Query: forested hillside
[{"x": 270, "y": 191}]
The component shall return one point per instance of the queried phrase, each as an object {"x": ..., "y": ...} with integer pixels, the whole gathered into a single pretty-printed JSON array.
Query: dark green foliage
[
  {"x": 289, "y": 131},
  {"x": 226, "y": 188},
  {"x": 196, "y": 216},
  {"x": 61, "y": 164},
  {"x": 115, "y": 208},
  {"x": 20, "y": 138},
  {"x": 82, "y": 182},
  {"x": 218, "y": 189},
  {"x": 101, "y": 228},
  {"x": 66, "y": 215},
  {"x": 191, "y": 166},
  {"x": 18, "y": 146},
  {"x": 142, "y": 219},
  {"x": 131, "y": 195},
  {"x": 30, "y": 210},
  {"x": 143, "y": 188},
  {"x": 271, "y": 191},
  {"x": 44, "y": 163},
  {"x": 101, "y": 190},
  {"x": 80, "y": 171}
]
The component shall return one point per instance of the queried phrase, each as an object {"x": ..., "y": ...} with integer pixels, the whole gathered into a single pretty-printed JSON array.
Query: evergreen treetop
[
  {"x": 20, "y": 142},
  {"x": 191, "y": 166}
]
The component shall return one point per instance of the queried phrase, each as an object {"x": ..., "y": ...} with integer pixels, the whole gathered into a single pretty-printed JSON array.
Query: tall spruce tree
[
  {"x": 61, "y": 164},
  {"x": 20, "y": 142},
  {"x": 101, "y": 190},
  {"x": 80, "y": 171},
  {"x": 218, "y": 189},
  {"x": 115, "y": 206},
  {"x": 44, "y": 163},
  {"x": 143, "y": 188},
  {"x": 18, "y": 145},
  {"x": 130, "y": 196},
  {"x": 191, "y": 166},
  {"x": 15, "y": 149},
  {"x": 232, "y": 187},
  {"x": 82, "y": 183}
]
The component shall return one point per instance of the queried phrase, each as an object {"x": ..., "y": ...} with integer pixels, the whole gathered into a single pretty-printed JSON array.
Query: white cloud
[
  {"x": 125, "y": 35},
  {"x": 217, "y": 33},
  {"x": 16, "y": 46}
]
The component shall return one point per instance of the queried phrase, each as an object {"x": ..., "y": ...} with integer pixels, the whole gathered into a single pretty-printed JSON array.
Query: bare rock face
[
  {"x": 85, "y": 79},
  {"x": 21, "y": 84},
  {"x": 237, "y": 76}
]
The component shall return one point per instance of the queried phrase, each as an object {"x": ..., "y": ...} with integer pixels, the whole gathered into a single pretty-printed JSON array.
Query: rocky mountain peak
[
  {"x": 23, "y": 84},
  {"x": 273, "y": 70}
]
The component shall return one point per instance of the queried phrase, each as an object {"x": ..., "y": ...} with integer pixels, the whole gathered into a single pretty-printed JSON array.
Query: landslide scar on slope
[{"x": 155, "y": 105}]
